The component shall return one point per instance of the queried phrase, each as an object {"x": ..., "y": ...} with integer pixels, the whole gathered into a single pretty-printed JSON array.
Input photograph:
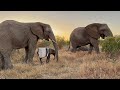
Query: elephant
[
  {"x": 89, "y": 35},
  {"x": 17, "y": 35},
  {"x": 50, "y": 52}
]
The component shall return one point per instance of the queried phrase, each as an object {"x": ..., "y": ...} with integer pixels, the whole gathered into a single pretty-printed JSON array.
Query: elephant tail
[{"x": 69, "y": 46}]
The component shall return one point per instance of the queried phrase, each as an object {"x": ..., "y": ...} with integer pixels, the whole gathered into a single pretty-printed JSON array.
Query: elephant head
[
  {"x": 97, "y": 30},
  {"x": 44, "y": 31},
  {"x": 105, "y": 31}
]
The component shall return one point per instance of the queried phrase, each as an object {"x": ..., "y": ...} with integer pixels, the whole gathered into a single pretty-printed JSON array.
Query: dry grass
[{"x": 77, "y": 65}]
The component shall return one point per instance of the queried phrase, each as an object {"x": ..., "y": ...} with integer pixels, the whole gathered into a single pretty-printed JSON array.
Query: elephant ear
[
  {"x": 37, "y": 29},
  {"x": 92, "y": 31}
]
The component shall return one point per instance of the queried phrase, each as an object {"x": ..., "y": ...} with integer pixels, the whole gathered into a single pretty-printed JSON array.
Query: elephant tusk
[{"x": 54, "y": 41}]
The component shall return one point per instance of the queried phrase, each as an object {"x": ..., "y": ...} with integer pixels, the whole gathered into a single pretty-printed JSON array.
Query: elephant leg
[
  {"x": 73, "y": 50},
  {"x": 95, "y": 44},
  {"x": 74, "y": 47},
  {"x": 6, "y": 60},
  {"x": 41, "y": 61},
  {"x": 97, "y": 49},
  {"x": 48, "y": 59},
  {"x": 90, "y": 49},
  {"x": 78, "y": 48},
  {"x": 31, "y": 51},
  {"x": 2, "y": 60},
  {"x": 26, "y": 57},
  {"x": 54, "y": 56}
]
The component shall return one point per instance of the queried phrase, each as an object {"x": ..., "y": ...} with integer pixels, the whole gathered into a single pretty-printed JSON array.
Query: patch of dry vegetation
[{"x": 79, "y": 65}]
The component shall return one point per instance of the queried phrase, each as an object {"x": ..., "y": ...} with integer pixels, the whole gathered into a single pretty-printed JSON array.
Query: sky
[{"x": 64, "y": 22}]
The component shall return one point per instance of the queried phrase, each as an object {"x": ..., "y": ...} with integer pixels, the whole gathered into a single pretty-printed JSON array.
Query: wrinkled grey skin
[
  {"x": 16, "y": 35},
  {"x": 90, "y": 34},
  {"x": 51, "y": 52}
]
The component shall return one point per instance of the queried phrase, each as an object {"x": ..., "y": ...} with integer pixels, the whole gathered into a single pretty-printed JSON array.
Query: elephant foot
[
  {"x": 42, "y": 63},
  {"x": 31, "y": 64},
  {"x": 98, "y": 52},
  {"x": 73, "y": 51},
  {"x": 56, "y": 60},
  {"x": 47, "y": 61},
  {"x": 24, "y": 61},
  {"x": 28, "y": 62},
  {"x": 5, "y": 67},
  {"x": 89, "y": 52}
]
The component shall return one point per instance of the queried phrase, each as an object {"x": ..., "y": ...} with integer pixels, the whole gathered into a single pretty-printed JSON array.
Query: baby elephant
[{"x": 48, "y": 52}]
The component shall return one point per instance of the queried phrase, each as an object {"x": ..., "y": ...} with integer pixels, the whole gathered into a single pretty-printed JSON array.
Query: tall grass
[{"x": 79, "y": 65}]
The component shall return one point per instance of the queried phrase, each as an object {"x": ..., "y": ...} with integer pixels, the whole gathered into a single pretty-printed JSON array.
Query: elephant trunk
[
  {"x": 109, "y": 34},
  {"x": 52, "y": 37}
]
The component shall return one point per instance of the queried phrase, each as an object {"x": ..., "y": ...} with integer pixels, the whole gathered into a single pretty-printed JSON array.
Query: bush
[
  {"x": 61, "y": 42},
  {"x": 67, "y": 42},
  {"x": 111, "y": 45},
  {"x": 43, "y": 43}
]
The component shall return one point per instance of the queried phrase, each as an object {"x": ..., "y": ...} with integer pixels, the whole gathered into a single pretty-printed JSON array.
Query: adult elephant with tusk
[
  {"x": 16, "y": 35},
  {"x": 90, "y": 34}
]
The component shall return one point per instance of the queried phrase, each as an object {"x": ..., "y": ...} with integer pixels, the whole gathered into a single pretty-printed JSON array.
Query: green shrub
[
  {"x": 111, "y": 45},
  {"x": 60, "y": 41},
  {"x": 44, "y": 43},
  {"x": 101, "y": 41},
  {"x": 67, "y": 42}
]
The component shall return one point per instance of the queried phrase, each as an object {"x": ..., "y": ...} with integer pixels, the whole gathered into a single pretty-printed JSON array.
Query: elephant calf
[{"x": 48, "y": 52}]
